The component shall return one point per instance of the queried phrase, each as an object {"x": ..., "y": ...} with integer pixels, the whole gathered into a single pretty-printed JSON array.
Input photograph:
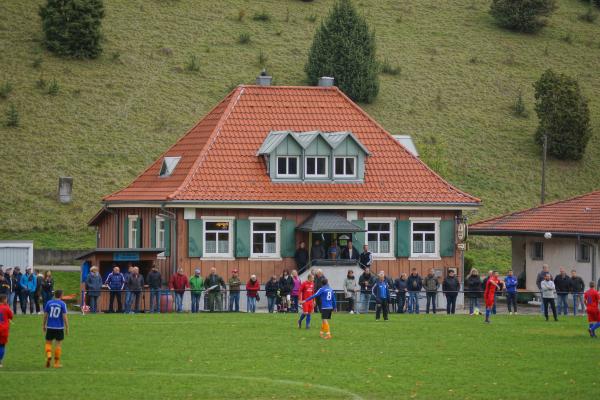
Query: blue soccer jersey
[
  {"x": 55, "y": 310},
  {"x": 327, "y": 297}
]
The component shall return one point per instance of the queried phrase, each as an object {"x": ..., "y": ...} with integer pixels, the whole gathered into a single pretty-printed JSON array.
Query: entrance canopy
[{"x": 328, "y": 222}]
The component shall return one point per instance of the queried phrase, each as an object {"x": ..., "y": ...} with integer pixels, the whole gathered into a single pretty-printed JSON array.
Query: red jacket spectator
[
  {"x": 252, "y": 288},
  {"x": 178, "y": 283}
]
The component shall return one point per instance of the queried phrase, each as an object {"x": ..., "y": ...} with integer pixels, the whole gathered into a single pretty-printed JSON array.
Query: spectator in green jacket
[
  {"x": 196, "y": 287},
  {"x": 234, "y": 291}
]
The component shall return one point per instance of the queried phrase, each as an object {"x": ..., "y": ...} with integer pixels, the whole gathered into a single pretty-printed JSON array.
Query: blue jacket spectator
[
  {"x": 115, "y": 281},
  {"x": 511, "y": 284},
  {"x": 28, "y": 281}
]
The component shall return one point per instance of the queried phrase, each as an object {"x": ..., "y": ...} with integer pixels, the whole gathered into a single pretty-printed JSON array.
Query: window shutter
[
  {"x": 138, "y": 233},
  {"x": 403, "y": 239},
  {"x": 447, "y": 241},
  {"x": 153, "y": 233},
  {"x": 242, "y": 238},
  {"x": 288, "y": 238},
  {"x": 358, "y": 239},
  {"x": 195, "y": 237},
  {"x": 126, "y": 232},
  {"x": 167, "y": 237}
]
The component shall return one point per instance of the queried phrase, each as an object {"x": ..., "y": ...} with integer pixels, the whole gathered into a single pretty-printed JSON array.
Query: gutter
[{"x": 488, "y": 232}]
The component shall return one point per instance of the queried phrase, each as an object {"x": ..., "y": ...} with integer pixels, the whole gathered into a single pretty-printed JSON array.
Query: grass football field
[{"x": 265, "y": 356}]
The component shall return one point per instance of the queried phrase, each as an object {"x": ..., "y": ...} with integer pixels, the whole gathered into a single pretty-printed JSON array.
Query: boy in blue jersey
[
  {"x": 327, "y": 297},
  {"x": 55, "y": 326},
  {"x": 381, "y": 292}
]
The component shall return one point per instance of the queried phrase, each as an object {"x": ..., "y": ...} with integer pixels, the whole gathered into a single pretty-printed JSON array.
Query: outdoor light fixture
[{"x": 548, "y": 235}]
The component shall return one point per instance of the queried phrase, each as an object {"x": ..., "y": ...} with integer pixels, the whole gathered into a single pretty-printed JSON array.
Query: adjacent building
[
  {"x": 269, "y": 167},
  {"x": 564, "y": 233}
]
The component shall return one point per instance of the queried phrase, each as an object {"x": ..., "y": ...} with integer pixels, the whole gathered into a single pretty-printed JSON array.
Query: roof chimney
[
  {"x": 65, "y": 189},
  {"x": 326, "y": 81},
  {"x": 263, "y": 79}
]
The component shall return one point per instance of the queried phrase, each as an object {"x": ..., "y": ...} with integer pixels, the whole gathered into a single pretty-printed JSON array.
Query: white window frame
[
  {"x": 132, "y": 231},
  {"x": 168, "y": 166},
  {"x": 316, "y": 175},
  {"x": 262, "y": 256},
  {"x": 287, "y": 165},
  {"x": 345, "y": 175},
  {"x": 218, "y": 256},
  {"x": 392, "y": 232},
  {"x": 158, "y": 233},
  {"x": 425, "y": 220}
]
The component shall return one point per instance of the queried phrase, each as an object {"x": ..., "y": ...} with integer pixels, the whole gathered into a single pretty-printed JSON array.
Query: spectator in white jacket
[
  {"x": 548, "y": 295},
  {"x": 350, "y": 289}
]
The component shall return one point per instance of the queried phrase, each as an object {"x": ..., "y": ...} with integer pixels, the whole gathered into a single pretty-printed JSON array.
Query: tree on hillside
[
  {"x": 72, "y": 27},
  {"x": 527, "y": 16},
  {"x": 564, "y": 116},
  {"x": 344, "y": 48}
]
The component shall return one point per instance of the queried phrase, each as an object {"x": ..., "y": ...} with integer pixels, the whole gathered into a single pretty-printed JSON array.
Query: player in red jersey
[
  {"x": 6, "y": 315},
  {"x": 307, "y": 289},
  {"x": 591, "y": 299},
  {"x": 489, "y": 293}
]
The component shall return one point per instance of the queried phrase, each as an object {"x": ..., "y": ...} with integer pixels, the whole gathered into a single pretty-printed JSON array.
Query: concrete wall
[
  {"x": 56, "y": 257},
  {"x": 557, "y": 252}
]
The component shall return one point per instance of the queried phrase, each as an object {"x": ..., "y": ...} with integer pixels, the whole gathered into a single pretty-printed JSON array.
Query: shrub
[
  {"x": 564, "y": 116},
  {"x": 262, "y": 58},
  {"x": 519, "y": 107},
  {"x": 6, "y": 89},
  {"x": 72, "y": 27},
  {"x": 344, "y": 48},
  {"x": 12, "y": 116},
  {"x": 590, "y": 15},
  {"x": 311, "y": 18},
  {"x": 40, "y": 83},
  {"x": 53, "y": 87},
  {"x": 568, "y": 38},
  {"x": 37, "y": 62},
  {"x": 193, "y": 64},
  {"x": 241, "y": 14},
  {"x": 263, "y": 16},
  {"x": 244, "y": 38},
  {"x": 386, "y": 67},
  {"x": 527, "y": 16}
]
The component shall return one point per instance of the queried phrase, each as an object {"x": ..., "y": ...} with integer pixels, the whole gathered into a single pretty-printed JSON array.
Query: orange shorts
[
  {"x": 593, "y": 315},
  {"x": 308, "y": 307}
]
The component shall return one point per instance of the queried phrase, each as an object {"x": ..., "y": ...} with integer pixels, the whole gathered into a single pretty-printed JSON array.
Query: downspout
[
  {"x": 173, "y": 236},
  {"x": 592, "y": 256},
  {"x": 117, "y": 230}
]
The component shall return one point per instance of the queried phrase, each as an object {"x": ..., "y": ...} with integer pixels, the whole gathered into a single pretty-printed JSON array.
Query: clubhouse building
[{"x": 269, "y": 167}]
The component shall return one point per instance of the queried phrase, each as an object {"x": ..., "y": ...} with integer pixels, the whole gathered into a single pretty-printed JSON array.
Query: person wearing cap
[
  {"x": 154, "y": 283},
  {"x": 252, "y": 288},
  {"x": 234, "y": 291},
  {"x": 28, "y": 285},
  {"x": 196, "y": 286}
]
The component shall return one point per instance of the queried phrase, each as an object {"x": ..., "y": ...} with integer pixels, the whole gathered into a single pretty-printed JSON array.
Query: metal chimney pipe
[
  {"x": 263, "y": 79},
  {"x": 326, "y": 81}
]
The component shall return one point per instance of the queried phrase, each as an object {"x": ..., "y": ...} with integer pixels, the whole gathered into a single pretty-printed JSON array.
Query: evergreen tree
[
  {"x": 522, "y": 15},
  {"x": 564, "y": 116},
  {"x": 344, "y": 48},
  {"x": 72, "y": 27}
]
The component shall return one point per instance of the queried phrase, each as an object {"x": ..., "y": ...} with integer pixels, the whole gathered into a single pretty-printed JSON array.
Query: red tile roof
[
  {"x": 219, "y": 161},
  {"x": 578, "y": 215}
]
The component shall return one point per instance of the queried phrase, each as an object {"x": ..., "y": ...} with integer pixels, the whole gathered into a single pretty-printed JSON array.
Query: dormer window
[
  {"x": 344, "y": 167},
  {"x": 168, "y": 166},
  {"x": 316, "y": 167},
  {"x": 287, "y": 167}
]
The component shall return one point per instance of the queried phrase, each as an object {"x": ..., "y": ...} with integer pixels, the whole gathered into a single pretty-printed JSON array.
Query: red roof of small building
[
  {"x": 576, "y": 216},
  {"x": 219, "y": 161}
]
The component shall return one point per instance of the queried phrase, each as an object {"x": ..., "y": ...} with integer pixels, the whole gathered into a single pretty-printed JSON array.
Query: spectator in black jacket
[
  {"x": 366, "y": 257},
  {"x": 562, "y": 282},
  {"x": 15, "y": 280},
  {"x": 135, "y": 283},
  {"x": 366, "y": 282},
  {"x": 301, "y": 256},
  {"x": 154, "y": 283},
  {"x": 93, "y": 285},
  {"x": 317, "y": 252},
  {"x": 4, "y": 286},
  {"x": 47, "y": 287},
  {"x": 401, "y": 288},
  {"x": 473, "y": 290},
  {"x": 349, "y": 252},
  {"x": 318, "y": 274},
  {"x": 271, "y": 289},
  {"x": 451, "y": 287},
  {"x": 286, "y": 283},
  {"x": 577, "y": 288},
  {"x": 415, "y": 284}
]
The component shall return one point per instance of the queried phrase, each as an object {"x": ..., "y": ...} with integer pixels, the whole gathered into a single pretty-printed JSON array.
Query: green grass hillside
[{"x": 459, "y": 77}]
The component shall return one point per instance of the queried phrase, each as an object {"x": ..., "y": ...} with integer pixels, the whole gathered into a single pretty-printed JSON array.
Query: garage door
[{"x": 14, "y": 256}]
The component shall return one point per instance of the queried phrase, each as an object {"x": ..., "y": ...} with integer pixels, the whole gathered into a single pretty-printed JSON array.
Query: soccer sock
[
  {"x": 327, "y": 331},
  {"x": 301, "y": 318},
  {"x": 487, "y": 313},
  {"x": 1, "y": 352},
  {"x": 48, "y": 350},
  {"x": 591, "y": 324},
  {"x": 595, "y": 326},
  {"x": 307, "y": 320},
  {"x": 322, "y": 326},
  {"x": 57, "y": 353}
]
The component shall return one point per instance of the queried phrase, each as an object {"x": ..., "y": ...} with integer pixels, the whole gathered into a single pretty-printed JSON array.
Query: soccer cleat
[
  {"x": 48, "y": 361},
  {"x": 591, "y": 332},
  {"x": 322, "y": 334},
  {"x": 299, "y": 324},
  {"x": 327, "y": 337},
  {"x": 1, "y": 366},
  {"x": 57, "y": 365}
]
